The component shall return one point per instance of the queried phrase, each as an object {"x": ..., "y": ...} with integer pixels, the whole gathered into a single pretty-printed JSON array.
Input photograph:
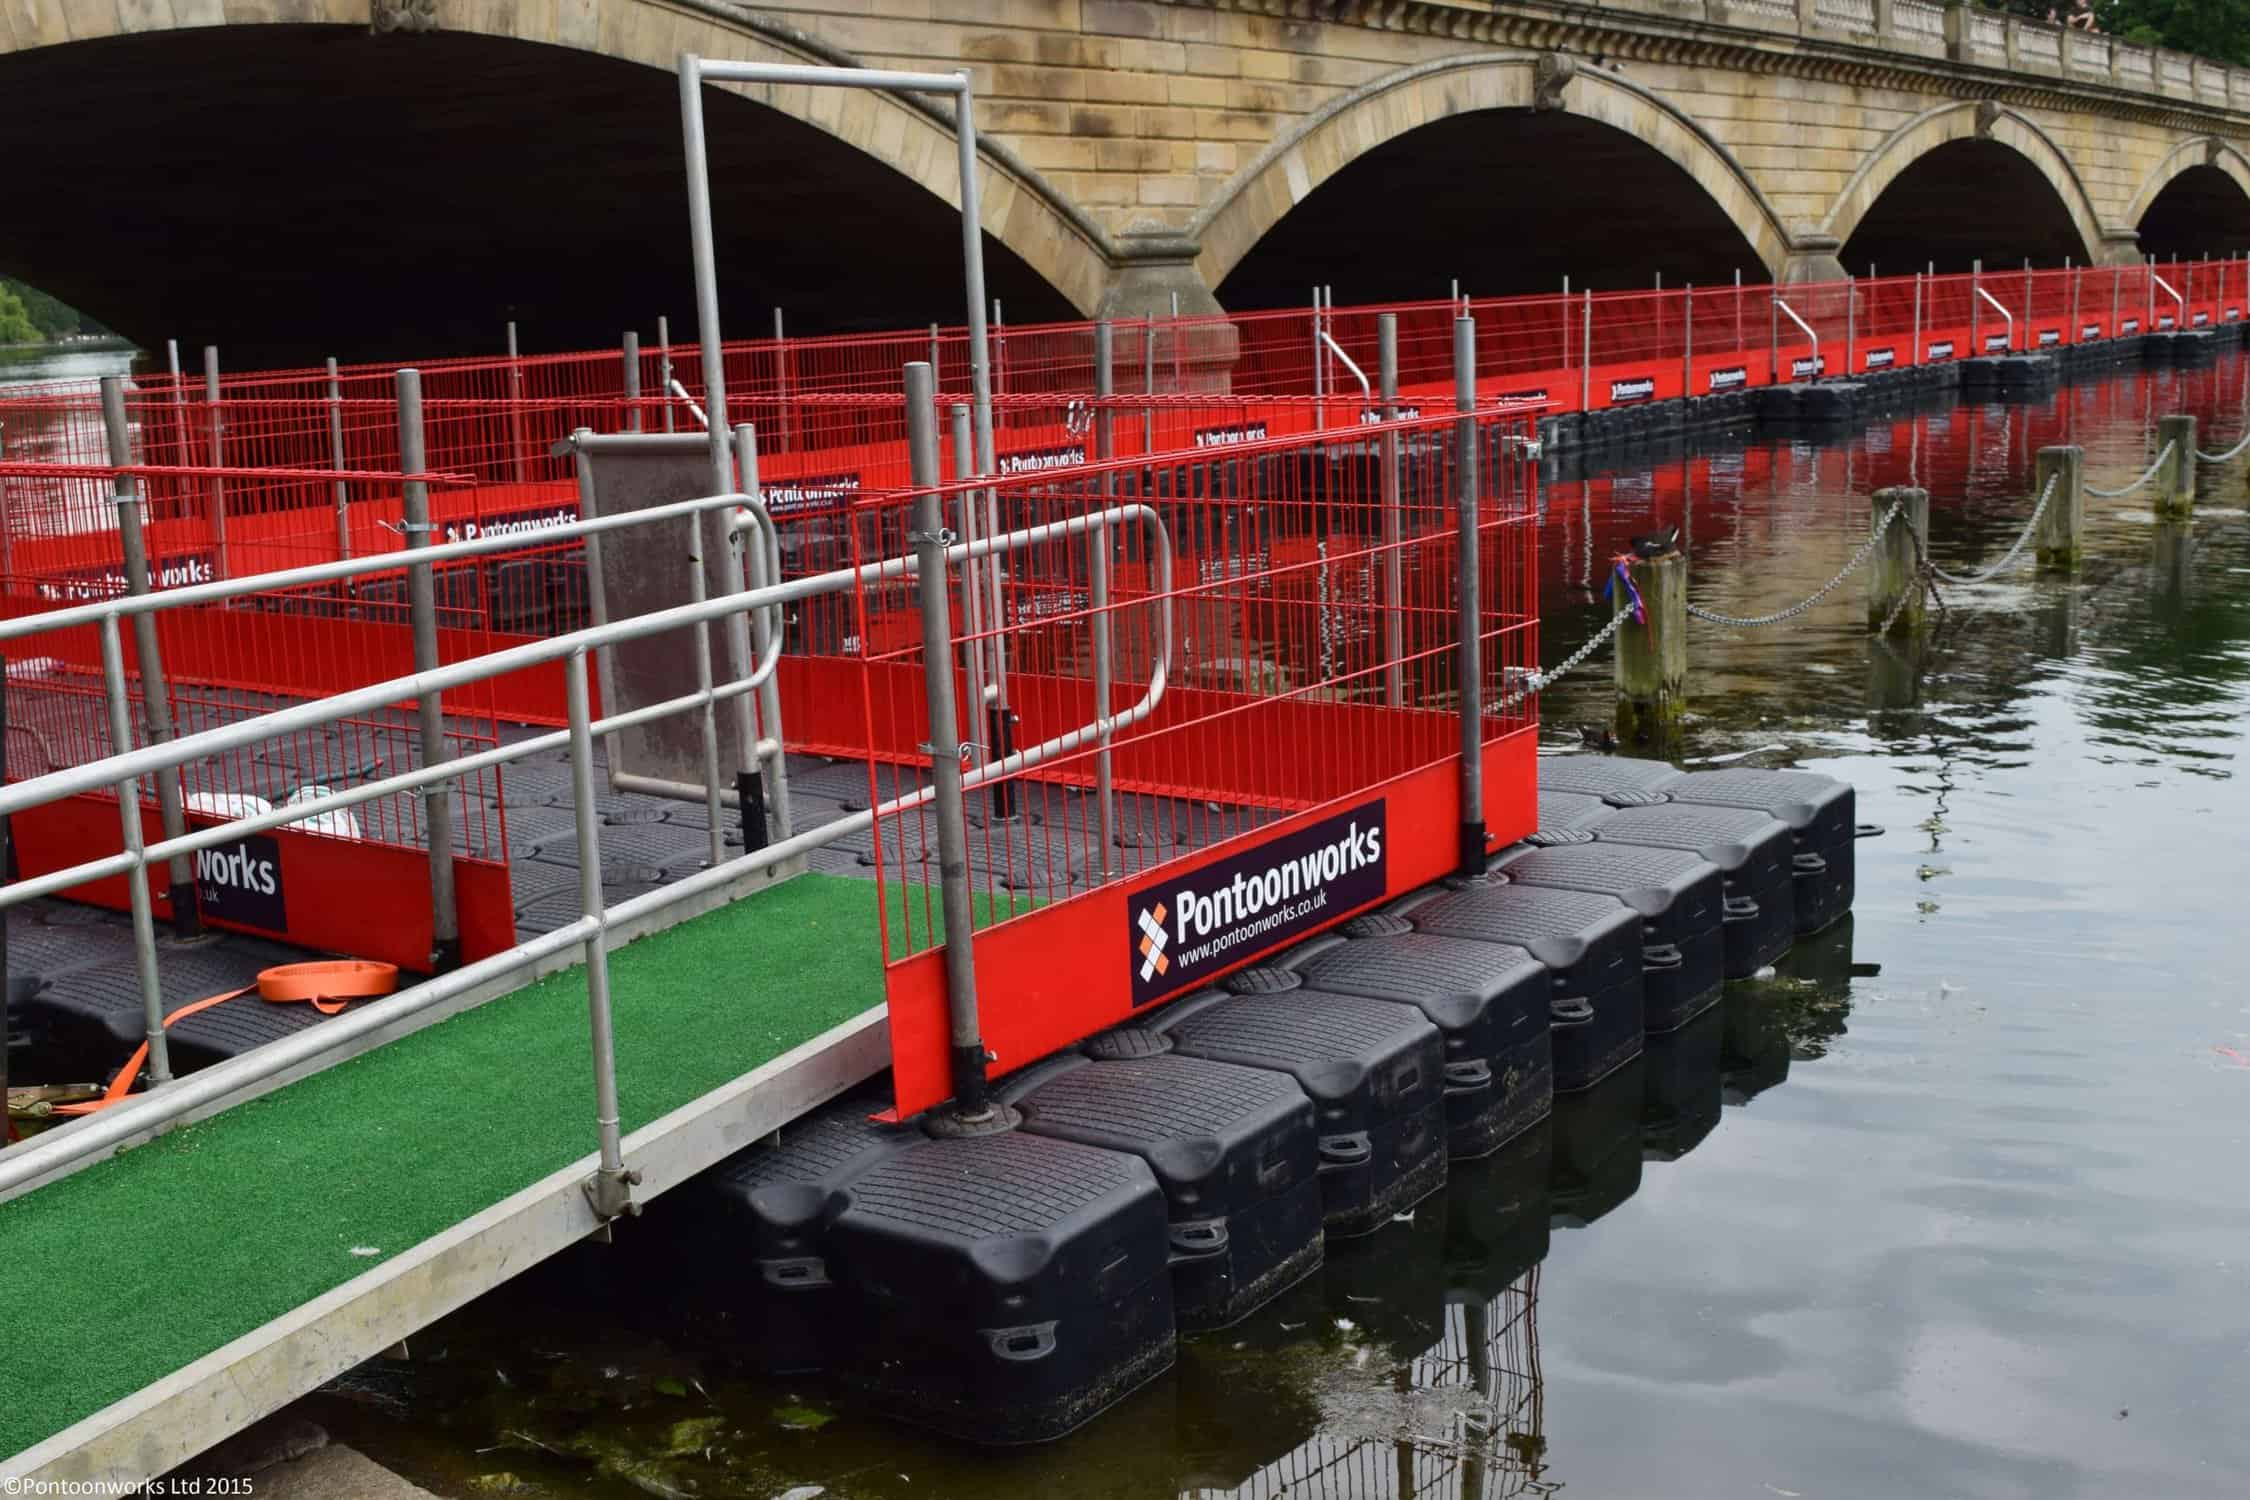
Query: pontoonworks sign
[{"x": 1184, "y": 928}]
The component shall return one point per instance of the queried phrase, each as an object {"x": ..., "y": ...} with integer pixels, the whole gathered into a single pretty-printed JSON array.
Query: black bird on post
[{"x": 1657, "y": 543}]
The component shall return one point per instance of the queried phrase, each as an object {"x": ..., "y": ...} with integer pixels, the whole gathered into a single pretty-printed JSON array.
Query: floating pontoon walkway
[{"x": 188, "y": 1286}]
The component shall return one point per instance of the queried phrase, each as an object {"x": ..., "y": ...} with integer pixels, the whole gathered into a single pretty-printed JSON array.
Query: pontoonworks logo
[{"x": 1184, "y": 928}]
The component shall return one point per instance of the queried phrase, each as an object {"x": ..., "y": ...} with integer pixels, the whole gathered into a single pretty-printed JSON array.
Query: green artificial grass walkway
[{"x": 135, "y": 1267}]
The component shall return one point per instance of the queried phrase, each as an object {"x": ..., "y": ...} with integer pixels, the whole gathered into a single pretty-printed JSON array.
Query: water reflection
[{"x": 1907, "y": 1216}]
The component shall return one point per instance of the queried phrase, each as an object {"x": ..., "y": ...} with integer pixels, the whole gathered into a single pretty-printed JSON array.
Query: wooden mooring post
[
  {"x": 2064, "y": 520},
  {"x": 2175, "y": 478},
  {"x": 1651, "y": 656},
  {"x": 1895, "y": 577}
]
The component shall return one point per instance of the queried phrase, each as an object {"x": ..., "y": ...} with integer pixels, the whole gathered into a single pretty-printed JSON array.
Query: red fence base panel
[
  {"x": 313, "y": 891},
  {"x": 1317, "y": 868}
]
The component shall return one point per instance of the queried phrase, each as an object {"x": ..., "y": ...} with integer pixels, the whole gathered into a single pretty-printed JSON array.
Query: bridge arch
[
  {"x": 2195, "y": 201},
  {"x": 1392, "y": 107},
  {"x": 1920, "y": 140},
  {"x": 618, "y": 48}
]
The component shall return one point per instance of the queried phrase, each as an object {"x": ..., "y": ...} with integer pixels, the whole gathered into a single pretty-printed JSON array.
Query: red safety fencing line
[{"x": 1313, "y": 682}]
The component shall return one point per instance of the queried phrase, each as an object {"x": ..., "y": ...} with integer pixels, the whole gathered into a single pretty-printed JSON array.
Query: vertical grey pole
[
  {"x": 1917, "y": 353},
  {"x": 156, "y": 694},
  {"x": 970, "y": 1098},
  {"x": 1148, "y": 384},
  {"x": 1394, "y": 589},
  {"x": 179, "y": 399},
  {"x": 136, "y": 880},
  {"x": 2077, "y": 284},
  {"x": 1586, "y": 356},
  {"x": 706, "y": 273},
  {"x": 630, "y": 353},
  {"x": 1687, "y": 341},
  {"x": 611, "y": 1187},
  {"x": 767, "y": 757},
  {"x": 707, "y": 711},
  {"x": 218, "y": 518},
  {"x": 788, "y": 422},
  {"x": 1851, "y": 327},
  {"x": 972, "y": 572},
  {"x": 664, "y": 368},
  {"x": 972, "y": 257},
  {"x": 2116, "y": 284},
  {"x": 1319, "y": 364},
  {"x": 2064, "y": 521},
  {"x": 421, "y": 604},
  {"x": 936, "y": 368},
  {"x": 597, "y": 589},
  {"x": 1773, "y": 337},
  {"x": 343, "y": 496},
  {"x": 1098, "y": 544},
  {"x": 515, "y": 404},
  {"x": 1566, "y": 364},
  {"x": 1468, "y": 584}
]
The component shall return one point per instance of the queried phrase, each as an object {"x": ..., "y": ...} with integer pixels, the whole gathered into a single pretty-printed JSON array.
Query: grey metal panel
[{"x": 645, "y": 568}]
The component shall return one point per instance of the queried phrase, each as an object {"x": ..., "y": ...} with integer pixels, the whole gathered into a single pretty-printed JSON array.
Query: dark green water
[{"x": 1956, "y": 1205}]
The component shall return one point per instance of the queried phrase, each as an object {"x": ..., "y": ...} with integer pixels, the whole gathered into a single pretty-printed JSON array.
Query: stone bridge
[{"x": 292, "y": 177}]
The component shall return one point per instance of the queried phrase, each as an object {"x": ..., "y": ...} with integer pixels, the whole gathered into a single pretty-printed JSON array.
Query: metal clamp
[
  {"x": 943, "y": 536},
  {"x": 610, "y": 1191},
  {"x": 409, "y": 528}
]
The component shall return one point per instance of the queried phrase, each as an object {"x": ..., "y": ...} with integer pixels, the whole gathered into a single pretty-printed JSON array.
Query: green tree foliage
[
  {"x": 49, "y": 319},
  {"x": 2217, "y": 29},
  {"x": 16, "y": 326}
]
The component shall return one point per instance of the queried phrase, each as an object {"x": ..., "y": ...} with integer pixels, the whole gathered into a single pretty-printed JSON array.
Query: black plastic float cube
[
  {"x": 776, "y": 1199},
  {"x": 1488, "y": 1000},
  {"x": 1619, "y": 779},
  {"x": 1753, "y": 851},
  {"x": 1590, "y": 945},
  {"x": 1004, "y": 1288},
  {"x": 1233, "y": 1149},
  {"x": 1375, "y": 1071},
  {"x": 1681, "y": 903},
  {"x": 1819, "y": 811}
]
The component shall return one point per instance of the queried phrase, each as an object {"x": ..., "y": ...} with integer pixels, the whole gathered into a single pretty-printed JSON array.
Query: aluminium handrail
[
  {"x": 1366, "y": 391},
  {"x": 1791, "y": 314},
  {"x": 34, "y": 1162},
  {"x": 2003, "y": 312},
  {"x": 2179, "y": 303}
]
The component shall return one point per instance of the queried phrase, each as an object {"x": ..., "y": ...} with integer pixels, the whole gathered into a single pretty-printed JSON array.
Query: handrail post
[
  {"x": 421, "y": 603},
  {"x": 630, "y": 352},
  {"x": 1976, "y": 297},
  {"x": 664, "y": 367},
  {"x": 515, "y": 405},
  {"x": 343, "y": 494},
  {"x": 971, "y": 1099},
  {"x": 761, "y": 783},
  {"x": 136, "y": 878},
  {"x": 1098, "y": 548},
  {"x": 610, "y": 1189},
  {"x": 156, "y": 693},
  {"x": 1586, "y": 356},
  {"x": 1394, "y": 585},
  {"x": 218, "y": 516},
  {"x": 1468, "y": 581}
]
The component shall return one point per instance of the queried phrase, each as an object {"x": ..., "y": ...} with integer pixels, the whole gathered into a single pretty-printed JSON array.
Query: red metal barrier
[{"x": 1311, "y": 701}]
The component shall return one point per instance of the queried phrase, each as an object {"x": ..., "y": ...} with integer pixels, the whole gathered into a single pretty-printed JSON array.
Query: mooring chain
[
  {"x": 1964, "y": 580},
  {"x": 1866, "y": 550},
  {"x": 2136, "y": 484},
  {"x": 1537, "y": 682},
  {"x": 2220, "y": 458},
  {"x": 1925, "y": 577}
]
